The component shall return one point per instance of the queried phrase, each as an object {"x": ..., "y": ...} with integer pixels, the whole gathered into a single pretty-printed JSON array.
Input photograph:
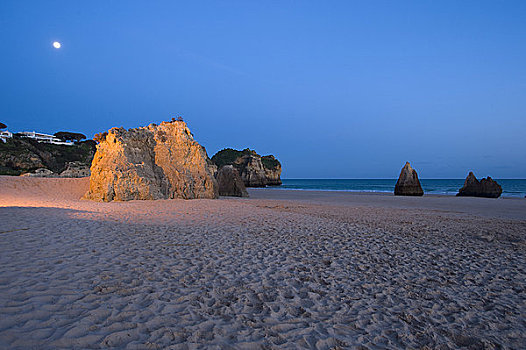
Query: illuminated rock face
[
  {"x": 154, "y": 162},
  {"x": 487, "y": 187},
  {"x": 252, "y": 170},
  {"x": 408, "y": 183}
]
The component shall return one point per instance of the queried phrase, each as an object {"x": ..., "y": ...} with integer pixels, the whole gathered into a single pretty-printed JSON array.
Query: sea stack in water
[
  {"x": 408, "y": 184},
  {"x": 255, "y": 170},
  {"x": 487, "y": 187},
  {"x": 154, "y": 162},
  {"x": 230, "y": 183}
]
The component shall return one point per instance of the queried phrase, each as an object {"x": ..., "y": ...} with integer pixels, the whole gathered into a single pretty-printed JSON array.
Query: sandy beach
[{"x": 279, "y": 270}]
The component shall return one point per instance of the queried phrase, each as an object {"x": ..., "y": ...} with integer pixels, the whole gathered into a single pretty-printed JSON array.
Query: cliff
[
  {"x": 22, "y": 155},
  {"x": 255, "y": 170},
  {"x": 272, "y": 169},
  {"x": 154, "y": 162}
]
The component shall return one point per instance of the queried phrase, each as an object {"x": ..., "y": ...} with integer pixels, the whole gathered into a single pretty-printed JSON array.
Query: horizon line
[{"x": 427, "y": 178}]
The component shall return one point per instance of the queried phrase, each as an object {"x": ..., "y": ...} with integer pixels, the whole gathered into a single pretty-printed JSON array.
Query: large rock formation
[
  {"x": 153, "y": 162},
  {"x": 408, "y": 184},
  {"x": 230, "y": 183},
  {"x": 255, "y": 170},
  {"x": 484, "y": 188}
]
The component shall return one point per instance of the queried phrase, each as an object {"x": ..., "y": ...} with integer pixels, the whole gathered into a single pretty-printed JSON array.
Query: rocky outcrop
[
  {"x": 252, "y": 170},
  {"x": 154, "y": 162},
  {"x": 76, "y": 169},
  {"x": 15, "y": 164},
  {"x": 22, "y": 155},
  {"x": 272, "y": 170},
  {"x": 73, "y": 169},
  {"x": 230, "y": 183},
  {"x": 41, "y": 172},
  {"x": 487, "y": 187},
  {"x": 408, "y": 184},
  {"x": 212, "y": 168},
  {"x": 255, "y": 170}
]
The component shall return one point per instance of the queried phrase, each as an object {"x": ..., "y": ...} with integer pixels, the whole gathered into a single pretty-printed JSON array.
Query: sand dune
[{"x": 271, "y": 271}]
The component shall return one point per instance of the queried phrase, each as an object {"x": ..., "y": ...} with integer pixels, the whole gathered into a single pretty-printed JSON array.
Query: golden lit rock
[{"x": 154, "y": 162}]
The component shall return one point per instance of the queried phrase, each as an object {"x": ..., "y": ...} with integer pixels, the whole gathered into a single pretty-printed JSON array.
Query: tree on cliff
[
  {"x": 3, "y": 126},
  {"x": 99, "y": 137},
  {"x": 70, "y": 136}
]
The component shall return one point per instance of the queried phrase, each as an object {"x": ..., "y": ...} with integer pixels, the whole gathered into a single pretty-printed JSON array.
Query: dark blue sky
[{"x": 348, "y": 89}]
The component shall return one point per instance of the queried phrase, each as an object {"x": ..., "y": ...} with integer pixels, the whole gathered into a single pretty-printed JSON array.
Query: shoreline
[
  {"x": 426, "y": 194},
  {"x": 509, "y": 208},
  {"x": 515, "y": 188}
]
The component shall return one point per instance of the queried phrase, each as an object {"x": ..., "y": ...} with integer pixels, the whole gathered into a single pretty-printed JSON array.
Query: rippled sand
[{"x": 278, "y": 270}]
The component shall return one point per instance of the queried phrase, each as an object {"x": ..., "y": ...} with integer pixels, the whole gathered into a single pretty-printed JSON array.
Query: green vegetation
[
  {"x": 20, "y": 155},
  {"x": 229, "y": 156},
  {"x": 8, "y": 171},
  {"x": 269, "y": 162},
  {"x": 70, "y": 136}
]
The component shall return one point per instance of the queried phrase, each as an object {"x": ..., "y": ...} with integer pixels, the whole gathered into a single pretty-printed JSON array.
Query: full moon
[{"x": 56, "y": 45}]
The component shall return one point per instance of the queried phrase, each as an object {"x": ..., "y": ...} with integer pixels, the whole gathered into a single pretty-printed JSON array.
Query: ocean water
[{"x": 510, "y": 187}]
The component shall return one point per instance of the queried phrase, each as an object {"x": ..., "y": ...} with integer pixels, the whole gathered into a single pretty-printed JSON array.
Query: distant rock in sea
[
  {"x": 408, "y": 184},
  {"x": 255, "y": 170},
  {"x": 487, "y": 187},
  {"x": 230, "y": 183},
  {"x": 153, "y": 162}
]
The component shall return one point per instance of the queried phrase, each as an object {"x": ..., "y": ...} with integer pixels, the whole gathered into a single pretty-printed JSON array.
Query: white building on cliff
[
  {"x": 40, "y": 137},
  {"x": 4, "y": 135}
]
